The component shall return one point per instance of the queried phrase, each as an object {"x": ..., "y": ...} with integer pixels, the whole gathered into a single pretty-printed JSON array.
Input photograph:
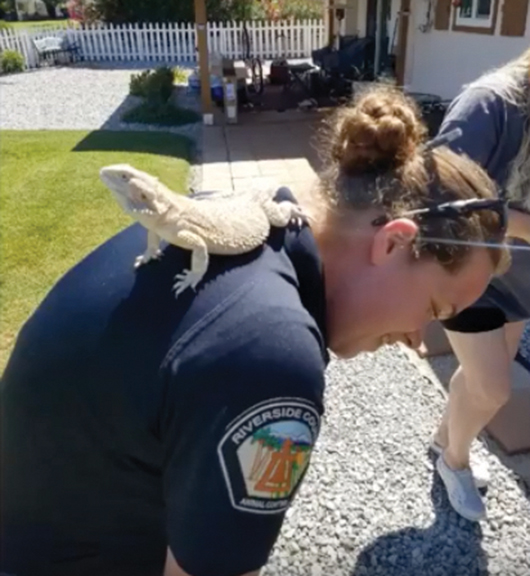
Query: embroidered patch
[{"x": 265, "y": 453}]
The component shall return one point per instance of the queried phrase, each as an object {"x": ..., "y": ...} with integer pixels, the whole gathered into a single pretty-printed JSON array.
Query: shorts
[{"x": 476, "y": 320}]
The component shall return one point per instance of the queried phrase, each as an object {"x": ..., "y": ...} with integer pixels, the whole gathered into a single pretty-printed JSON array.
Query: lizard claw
[
  {"x": 186, "y": 279},
  {"x": 298, "y": 216},
  {"x": 147, "y": 257}
]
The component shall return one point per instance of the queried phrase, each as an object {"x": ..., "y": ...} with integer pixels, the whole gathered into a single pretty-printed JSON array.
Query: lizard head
[{"x": 141, "y": 195}]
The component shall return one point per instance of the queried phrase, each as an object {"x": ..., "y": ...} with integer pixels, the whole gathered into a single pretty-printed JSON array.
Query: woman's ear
[{"x": 394, "y": 235}]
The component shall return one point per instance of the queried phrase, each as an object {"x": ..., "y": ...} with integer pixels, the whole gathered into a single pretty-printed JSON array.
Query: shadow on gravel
[
  {"x": 162, "y": 143},
  {"x": 450, "y": 547},
  {"x": 115, "y": 119}
]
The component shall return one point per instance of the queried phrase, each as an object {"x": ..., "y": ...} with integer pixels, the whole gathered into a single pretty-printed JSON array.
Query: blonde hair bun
[{"x": 381, "y": 129}]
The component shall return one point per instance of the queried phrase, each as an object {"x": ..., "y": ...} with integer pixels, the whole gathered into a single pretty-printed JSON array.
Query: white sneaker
[
  {"x": 462, "y": 491},
  {"x": 479, "y": 467}
]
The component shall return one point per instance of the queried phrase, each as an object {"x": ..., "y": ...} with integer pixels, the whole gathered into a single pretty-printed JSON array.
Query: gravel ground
[
  {"x": 371, "y": 504},
  {"x": 76, "y": 97}
]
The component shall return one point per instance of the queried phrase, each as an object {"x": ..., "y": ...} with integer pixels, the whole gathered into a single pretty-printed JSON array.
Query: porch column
[
  {"x": 403, "y": 31},
  {"x": 330, "y": 21},
  {"x": 204, "y": 73}
]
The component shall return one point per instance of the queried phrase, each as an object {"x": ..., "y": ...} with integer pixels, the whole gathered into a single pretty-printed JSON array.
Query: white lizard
[{"x": 213, "y": 223}]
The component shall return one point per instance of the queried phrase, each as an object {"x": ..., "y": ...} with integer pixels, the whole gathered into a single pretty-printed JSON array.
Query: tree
[{"x": 124, "y": 11}]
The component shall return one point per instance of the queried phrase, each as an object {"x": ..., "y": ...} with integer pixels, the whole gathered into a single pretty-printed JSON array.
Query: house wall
[
  {"x": 441, "y": 62},
  {"x": 353, "y": 23},
  {"x": 355, "y": 18},
  {"x": 31, "y": 8}
]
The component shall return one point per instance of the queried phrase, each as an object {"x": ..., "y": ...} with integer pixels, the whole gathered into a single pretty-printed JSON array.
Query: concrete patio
[{"x": 264, "y": 148}]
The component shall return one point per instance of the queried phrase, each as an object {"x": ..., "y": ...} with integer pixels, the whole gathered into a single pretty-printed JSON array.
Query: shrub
[
  {"x": 82, "y": 11},
  {"x": 137, "y": 84},
  {"x": 11, "y": 61},
  {"x": 125, "y": 11},
  {"x": 179, "y": 75},
  {"x": 155, "y": 86},
  {"x": 160, "y": 85}
]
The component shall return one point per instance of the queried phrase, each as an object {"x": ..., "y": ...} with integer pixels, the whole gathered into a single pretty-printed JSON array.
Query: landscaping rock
[{"x": 372, "y": 469}]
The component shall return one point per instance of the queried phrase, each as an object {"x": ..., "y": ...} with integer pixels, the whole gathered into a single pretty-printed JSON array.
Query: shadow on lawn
[
  {"x": 162, "y": 143},
  {"x": 450, "y": 546}
]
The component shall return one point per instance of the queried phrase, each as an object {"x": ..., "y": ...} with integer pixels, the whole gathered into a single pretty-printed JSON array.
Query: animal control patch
[{"x": 265, "y": 453}]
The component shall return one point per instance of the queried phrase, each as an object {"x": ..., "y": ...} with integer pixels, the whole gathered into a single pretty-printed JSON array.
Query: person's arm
[
  {"x": 479, "y": 112},
  {"x": 239, "y": 424}
]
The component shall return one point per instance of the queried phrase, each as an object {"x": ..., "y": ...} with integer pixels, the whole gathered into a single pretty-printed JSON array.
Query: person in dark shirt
[
  {"x": 492, "y": 113},
  {"x": 144, "y": 435}
]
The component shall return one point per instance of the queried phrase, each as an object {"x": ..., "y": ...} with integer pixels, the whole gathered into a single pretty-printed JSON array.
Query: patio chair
[
  {"x": 353, "y": 61},
  {"x": 50, "y": 48}
]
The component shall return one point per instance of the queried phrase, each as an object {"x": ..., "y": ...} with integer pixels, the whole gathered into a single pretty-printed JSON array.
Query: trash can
[{"x": 230, "y": 98}]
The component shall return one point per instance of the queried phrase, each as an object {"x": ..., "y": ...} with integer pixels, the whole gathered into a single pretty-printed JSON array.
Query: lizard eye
[{"x": 124, "y": 177}]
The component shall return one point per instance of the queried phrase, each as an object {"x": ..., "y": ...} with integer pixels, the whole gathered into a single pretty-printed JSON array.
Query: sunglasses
[{"x": 456, "y": 209}]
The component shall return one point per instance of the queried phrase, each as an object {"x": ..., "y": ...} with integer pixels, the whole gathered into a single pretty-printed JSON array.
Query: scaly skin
[{"x": 221, "y": 223}]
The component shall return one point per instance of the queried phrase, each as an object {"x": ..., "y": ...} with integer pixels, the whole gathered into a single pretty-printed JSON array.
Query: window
[{"x": 475, "y": 13}]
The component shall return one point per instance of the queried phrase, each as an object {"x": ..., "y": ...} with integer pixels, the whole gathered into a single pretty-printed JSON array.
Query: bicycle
[{"x": 252, "y": 62}]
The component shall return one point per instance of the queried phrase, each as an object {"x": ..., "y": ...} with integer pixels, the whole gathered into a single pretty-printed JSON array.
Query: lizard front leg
[
  {"x": 281, "y": 213},
  {"x": 199, "y": 261},
  {"x": 152, "y": 252}
]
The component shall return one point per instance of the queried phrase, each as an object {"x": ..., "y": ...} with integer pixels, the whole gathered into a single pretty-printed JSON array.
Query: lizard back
[{"x": 227, "y": 225}]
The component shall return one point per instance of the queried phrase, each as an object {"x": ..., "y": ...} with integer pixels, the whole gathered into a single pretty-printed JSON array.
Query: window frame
[
  {"x": 474, "y": 20},
  {"x": 474, "y": 24}
]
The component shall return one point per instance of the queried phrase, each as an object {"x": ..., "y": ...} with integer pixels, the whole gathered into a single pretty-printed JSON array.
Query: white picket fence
[{"x": 172, "y": 42}]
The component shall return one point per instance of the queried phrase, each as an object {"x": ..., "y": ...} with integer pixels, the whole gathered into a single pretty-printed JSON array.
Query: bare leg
[
  {"x": 479, "y": 388},
  {"x": 474, "y": 401}
]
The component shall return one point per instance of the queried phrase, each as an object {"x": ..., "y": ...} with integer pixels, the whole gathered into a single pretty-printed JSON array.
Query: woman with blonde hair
[
  {"x": 145, "y": 435},
  {"x": 492, "y": 113}
]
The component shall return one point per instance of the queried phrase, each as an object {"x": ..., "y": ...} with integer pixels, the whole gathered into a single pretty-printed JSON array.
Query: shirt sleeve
[
  {"x": 479, "y": 112},
  {"x": 239, "y": 432}
]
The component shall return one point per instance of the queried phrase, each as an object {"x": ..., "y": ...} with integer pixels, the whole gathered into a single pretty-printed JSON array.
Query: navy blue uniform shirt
[{"x": 133, "y": 420}]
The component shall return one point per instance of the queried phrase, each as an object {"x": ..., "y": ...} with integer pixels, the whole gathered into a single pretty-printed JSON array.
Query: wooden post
[
  {"x": 403, "y": 30},
  {"x": 331, "y": 22},
  {"x": 378, "y": 36},
  {"x": 204, "y": 68}
]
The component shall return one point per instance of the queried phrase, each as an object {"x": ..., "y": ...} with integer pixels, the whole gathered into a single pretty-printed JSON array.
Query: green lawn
[{"x": 54, "y": 209}]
